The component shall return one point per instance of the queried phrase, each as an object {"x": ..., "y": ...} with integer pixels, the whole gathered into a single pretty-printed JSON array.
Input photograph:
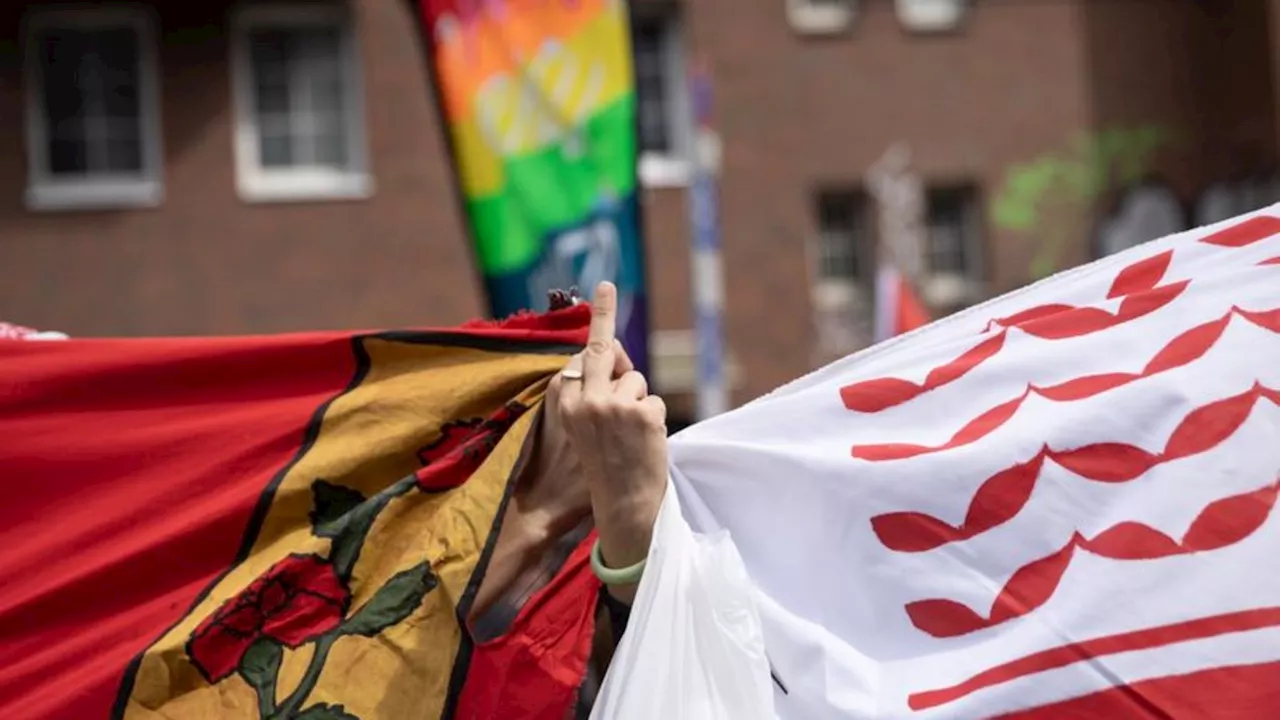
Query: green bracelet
[{"x": 609, "y": 576}]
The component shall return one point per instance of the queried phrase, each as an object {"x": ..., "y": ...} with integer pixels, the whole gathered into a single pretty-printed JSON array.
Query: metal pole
[{"x": 706, "y": 273}]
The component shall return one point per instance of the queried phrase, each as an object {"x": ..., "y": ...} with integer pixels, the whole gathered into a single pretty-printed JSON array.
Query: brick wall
[
  {"x": 207, "y": 262},
  {"x": 1018, "y": 80},
  {"x": 796, "y": 112},
  {"x": 1202, "y": 69}
]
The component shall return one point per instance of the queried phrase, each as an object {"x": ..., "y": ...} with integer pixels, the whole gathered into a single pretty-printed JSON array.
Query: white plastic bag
[{"x": 694, "y": 646}]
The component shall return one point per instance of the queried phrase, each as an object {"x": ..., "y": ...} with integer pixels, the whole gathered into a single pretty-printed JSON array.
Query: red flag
[
  {"x": 242, "y": 527},
  {"x": 897, "y": 308}
]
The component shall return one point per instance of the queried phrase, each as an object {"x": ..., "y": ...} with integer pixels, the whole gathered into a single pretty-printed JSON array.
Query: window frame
[
  {"x": 945, "y": 287},
  {"x": 256, "y": 183},
  {"x": 843, "y": 300},
  {"x": 672, "y": 168},
  {"x": 46, "y": 191},
  {"x": 861, "y": 241}
]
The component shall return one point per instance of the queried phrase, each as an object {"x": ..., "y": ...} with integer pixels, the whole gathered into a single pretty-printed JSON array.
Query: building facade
[{"x": 263, "y": 167}]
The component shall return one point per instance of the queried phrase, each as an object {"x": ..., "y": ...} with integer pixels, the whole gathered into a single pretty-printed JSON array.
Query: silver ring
[{"x": 571, "y": 373}]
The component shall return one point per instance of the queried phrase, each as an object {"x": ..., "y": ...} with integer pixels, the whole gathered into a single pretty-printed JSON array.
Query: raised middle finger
[{"x": 598, "y": 360}]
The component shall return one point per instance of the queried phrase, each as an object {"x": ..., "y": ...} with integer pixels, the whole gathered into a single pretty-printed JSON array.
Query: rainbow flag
[{"x": 540, "y": 102}]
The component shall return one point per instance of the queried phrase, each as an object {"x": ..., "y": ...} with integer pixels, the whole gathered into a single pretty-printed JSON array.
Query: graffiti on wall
[{"x": 1034, "y": 197}]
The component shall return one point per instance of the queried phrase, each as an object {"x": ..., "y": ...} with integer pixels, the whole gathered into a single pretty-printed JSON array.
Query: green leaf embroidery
[
  {"x": 393, "y": 602},
  {"x": 326, "y": 712},
  {"x": 351, "y": 531},
  {"x": 333, "y": 505},
  {"x": 259, "y": 667}
]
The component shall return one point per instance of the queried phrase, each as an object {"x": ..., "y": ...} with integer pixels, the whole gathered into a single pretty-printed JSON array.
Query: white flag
[{"x": 1056, "y": 504}]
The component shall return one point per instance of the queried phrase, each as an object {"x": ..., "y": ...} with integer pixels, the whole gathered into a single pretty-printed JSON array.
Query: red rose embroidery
[
  {"x": 462, "y": 447},
  {"x": 298, "y": 599}
]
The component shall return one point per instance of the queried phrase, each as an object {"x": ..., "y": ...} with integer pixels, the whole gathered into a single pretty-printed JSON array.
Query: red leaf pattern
[
  {"x": 1143, "y": 290},
  {"x": 1179, "y": 352},
  {"x": 1142, "y": 275},
  {"x": 1245, "y": 233}
]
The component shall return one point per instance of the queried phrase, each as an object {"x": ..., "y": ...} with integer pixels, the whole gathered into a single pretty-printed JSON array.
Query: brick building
[{"x": 1042, "y": 130}]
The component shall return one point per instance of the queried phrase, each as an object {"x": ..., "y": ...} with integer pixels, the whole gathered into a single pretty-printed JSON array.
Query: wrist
[
  {"x": 625, "y": 526},
  {"x": 521, "y": 538}
]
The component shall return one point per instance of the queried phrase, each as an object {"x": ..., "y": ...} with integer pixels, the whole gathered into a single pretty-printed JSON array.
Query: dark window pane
[
  {"x": 269, "y": 58},
  {"x": 318, "y": 47},
  {"x": 277, "y": 150},
  {"x": 122, "y": 130},
  {"x": 331, "y": 150},
  {"x": 117, "y": 58},
  {"x": 300, "y": 96},
  {"x": 269, "y": 49},
  {"x": 274, "y": 124},
  {"x": 325, "y": 90},
  {"x": 91, "y": 100},
  {"x": 952, "y": 230},
  {"x": 652, "y": 84},
  {"x": 271, "y": 97},
  {"x": 67, "y": 157},
  {"x": 843, "y": 239},
  {"x": 61, "y": 56},
  {"x": 123, "y": 155}
]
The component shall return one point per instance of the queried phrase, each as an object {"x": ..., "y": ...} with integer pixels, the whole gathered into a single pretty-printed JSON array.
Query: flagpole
[{"x": 705, "y": 271}]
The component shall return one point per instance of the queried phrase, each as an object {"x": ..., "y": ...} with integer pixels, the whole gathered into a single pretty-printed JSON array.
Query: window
[
  {"x": 300, "y": 117},
  {"x": 954, "y": 246},
  {"x": 93, "y": 128},
  {"x": 843, "y": 242},
  {"x": 931, "y": 15},
  {"x": 844, "y": 265},
  {"x": 662, "y": 108},
  {"x": 821, "y": 17}
]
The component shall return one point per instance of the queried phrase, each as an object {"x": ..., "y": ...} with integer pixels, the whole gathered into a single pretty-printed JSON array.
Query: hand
[
  {"x": 553, "y": 494},
  {"x": 617, "y": 430}
]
